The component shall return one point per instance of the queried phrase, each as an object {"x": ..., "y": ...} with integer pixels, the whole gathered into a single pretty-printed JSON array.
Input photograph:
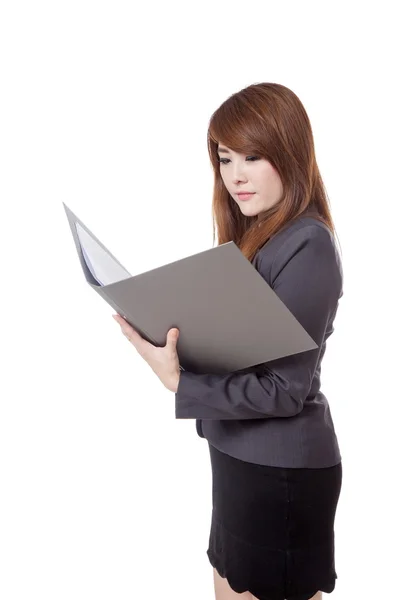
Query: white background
[{"x": 105, "y": 106}]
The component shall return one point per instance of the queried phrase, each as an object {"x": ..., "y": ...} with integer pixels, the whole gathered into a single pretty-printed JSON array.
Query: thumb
[{"x": 173, "y": 335}]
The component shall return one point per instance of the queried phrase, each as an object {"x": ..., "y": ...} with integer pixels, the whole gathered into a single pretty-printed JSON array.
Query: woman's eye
[{"x": 224, "y": 160}]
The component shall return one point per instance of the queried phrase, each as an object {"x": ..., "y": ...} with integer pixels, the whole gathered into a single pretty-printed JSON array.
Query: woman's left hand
[{"x": 164, "y": 361}]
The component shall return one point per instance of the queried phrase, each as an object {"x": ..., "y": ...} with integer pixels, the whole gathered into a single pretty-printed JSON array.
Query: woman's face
[{"x": 250, "y": 173}]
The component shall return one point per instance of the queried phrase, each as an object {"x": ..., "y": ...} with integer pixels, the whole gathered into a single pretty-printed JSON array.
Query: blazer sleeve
[{"x": 306, "y": 275}]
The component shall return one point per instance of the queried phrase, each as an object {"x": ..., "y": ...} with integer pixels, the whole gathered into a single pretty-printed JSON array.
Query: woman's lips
[{"x": 245, "y": 196}]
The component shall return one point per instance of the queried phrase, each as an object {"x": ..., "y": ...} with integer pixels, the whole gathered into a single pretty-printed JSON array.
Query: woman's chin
[{"x": 249, "y": 211}]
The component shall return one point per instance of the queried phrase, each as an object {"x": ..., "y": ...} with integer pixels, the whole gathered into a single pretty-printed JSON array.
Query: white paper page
[{"x": 101, "y": 265}]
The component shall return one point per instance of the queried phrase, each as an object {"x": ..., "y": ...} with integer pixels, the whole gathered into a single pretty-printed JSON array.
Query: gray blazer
[{"x": 275, "y": 413}]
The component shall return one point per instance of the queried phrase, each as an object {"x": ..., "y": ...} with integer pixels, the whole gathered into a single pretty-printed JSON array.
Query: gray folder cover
[{"x": 228, "y": 316}]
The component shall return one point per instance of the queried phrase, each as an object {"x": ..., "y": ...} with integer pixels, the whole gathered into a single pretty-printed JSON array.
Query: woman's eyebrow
[{"x": 222, "y": 150}]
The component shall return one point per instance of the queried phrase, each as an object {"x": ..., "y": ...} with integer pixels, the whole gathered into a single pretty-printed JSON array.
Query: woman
[{"x": 276, "y": 464}]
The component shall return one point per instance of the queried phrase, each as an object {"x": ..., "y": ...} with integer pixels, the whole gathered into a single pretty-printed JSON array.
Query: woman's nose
[
  {"x": 238, "y": 173},
  {"x": 239, "y": 180}
]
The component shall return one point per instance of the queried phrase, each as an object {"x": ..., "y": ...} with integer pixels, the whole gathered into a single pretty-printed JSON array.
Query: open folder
[{"x": 228, "y": 317}]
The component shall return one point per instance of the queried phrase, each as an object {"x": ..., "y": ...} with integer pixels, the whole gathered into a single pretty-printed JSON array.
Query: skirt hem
[{"x": 240, "y": 588}]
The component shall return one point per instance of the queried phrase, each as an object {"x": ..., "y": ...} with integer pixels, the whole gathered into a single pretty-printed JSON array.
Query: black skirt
[{"x": 272, "y": 528}]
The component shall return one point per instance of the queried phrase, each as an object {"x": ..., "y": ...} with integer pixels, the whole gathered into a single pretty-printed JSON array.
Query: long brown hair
[{"x": 269, "y": 120}]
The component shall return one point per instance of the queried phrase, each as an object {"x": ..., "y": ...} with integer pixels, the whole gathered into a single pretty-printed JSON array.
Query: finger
[
  {"x": 131, "y": 335},
  {"x": 119, "y": 319},
  {"x": 135, "y": 339},
  {"x": 172, "y": 338},
  {"x": 127, "y": 329}
]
